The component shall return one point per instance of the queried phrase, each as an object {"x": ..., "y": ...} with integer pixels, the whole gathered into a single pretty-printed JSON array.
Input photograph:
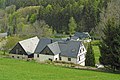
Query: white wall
[
  {"x": 81, "y": 54},
  {"x": 43, "y": 57},
  {"x": 18, "y": 56},
  {"x": 73, "y": 60},
  {"x": 35, "y": 56},
  {"x": 56, "y": 56}
]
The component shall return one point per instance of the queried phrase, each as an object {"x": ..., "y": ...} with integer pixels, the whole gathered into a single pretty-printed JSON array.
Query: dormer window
[{"x": 73, "y": 50}]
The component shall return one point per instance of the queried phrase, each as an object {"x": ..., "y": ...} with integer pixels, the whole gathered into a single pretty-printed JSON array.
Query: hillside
[
  {"x": 11, "y": 69},
  {"x": 29, "y": 16}
]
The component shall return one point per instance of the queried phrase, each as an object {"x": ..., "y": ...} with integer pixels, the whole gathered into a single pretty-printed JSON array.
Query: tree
[
  {"x": 10, "y": 42},
  {"x": 110, "y": 45},
  {"x": 38, "y": 28},
  {"x": 90, "y": 59},
  {"x": 33, "y": 18},
  {"x": 72, "y": 25},
  {"x": 111, "y": 10}
]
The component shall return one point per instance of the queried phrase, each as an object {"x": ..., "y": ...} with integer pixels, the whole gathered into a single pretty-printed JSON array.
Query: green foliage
[
  {"x": 95, "y": 42},
  {"x": 110, "y": 45},
  {"x": 10, "y": 9},
  {"x": 33, "y": 18},
  {"x": 55, "y": 13},
  {"x": 90, "y": 59},
  {"x": 96, "y": 52},
  {"x": 72, "y": 26},
  {"x": 36, "y": 71},
  {"x": 10, "y": 42}
]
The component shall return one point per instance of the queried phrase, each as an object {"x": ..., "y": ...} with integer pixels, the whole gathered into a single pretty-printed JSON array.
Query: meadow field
[{"x": 11, "y": 69}]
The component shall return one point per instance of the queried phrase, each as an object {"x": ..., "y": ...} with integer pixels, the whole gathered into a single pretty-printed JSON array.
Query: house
[
  {"x": 3, "y": 35},
  {"x": 68, "y": 51},
  {"x": 81, "y": 36},
  {"x": 74, "y": 38},
  {"x": 24, "y": 49},
  {"x": 50, "y": 52},
  {"x": 48, "y": 49},
  {"x": 72, "y": 51}
]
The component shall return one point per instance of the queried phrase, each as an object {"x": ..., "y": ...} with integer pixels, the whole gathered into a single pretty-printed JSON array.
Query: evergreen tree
[
  {"x": 110, "y": 45},
  {"x": 90, "y": 59},
  {"x": 72, "y": 25}
]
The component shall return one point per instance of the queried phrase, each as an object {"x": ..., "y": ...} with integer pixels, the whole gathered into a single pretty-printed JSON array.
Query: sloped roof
[
  {"x": 82, "y": 35},
  {"x": 74, "y": 38},
  {"x": 54, "y": 47},
  {"x": 64, "y": 48},
  {"x": 29, "y": 45},
  {"x": 42, "y": 44},
  {"x": 69, "y": 48}
]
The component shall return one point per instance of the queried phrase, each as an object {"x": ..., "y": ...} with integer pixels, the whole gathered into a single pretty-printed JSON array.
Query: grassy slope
[{"x": 11, "y": 69}]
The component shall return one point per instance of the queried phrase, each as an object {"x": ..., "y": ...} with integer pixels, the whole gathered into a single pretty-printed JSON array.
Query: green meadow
[{"x": 11, "y": 69}]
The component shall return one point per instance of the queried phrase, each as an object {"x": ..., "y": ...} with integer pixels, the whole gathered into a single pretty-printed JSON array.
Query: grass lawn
[
  {"x": 96, "y": 53},
  {"x": 11, "y": 69}
]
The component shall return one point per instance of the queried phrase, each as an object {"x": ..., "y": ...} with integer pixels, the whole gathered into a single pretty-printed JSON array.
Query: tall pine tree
[
  {"x": 90, "y": 59},
  {"x": 72, "y": 25},
  {"x": 110, "y": 45}
]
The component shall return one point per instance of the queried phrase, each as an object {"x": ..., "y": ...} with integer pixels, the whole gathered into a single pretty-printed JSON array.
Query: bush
[{"x": 95, "y": 42}]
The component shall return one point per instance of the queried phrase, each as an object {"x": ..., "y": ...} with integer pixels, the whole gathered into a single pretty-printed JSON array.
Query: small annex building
[
  {"x": 81, "y": 36},
  {"x": 24, "y": 49}
]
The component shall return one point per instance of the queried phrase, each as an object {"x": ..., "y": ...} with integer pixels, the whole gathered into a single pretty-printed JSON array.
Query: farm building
[
  {"x": 24, "y": 49},
  {"x": 48, "y": 49},
  {"x": 81, "y": 36},
  {"x": 68, "y": 51}
]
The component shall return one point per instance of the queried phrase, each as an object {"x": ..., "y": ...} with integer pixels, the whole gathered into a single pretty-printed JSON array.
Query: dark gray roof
[
  {"x": 54, "y": 47},
  {"x": 42, "y": 44},
  {"x": 82, "y": 35},
  {"x": 69, "y": 48},
  {"x": 58, "y": 39},
  {"x": 74, "y": 38},
  {"x": 64, "y": 48}
]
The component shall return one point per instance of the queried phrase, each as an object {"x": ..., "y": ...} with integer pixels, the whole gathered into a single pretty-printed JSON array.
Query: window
[
  {"x": 50, "y": 59},
  {"x": 73, "y": 50},
  {"x": 60, "y": 58},
  {"x": 56, "y": 59},
  {"x": 80, "y": 51},
  {"x": 69, "y": 59},
  {"x": 79, "y": 58},
  {"x": 12, "y": 56},
  {"x": 38, "y": 55},
  {"x": 83, "y": 49},
  {"x": 18, "y": 57}
]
